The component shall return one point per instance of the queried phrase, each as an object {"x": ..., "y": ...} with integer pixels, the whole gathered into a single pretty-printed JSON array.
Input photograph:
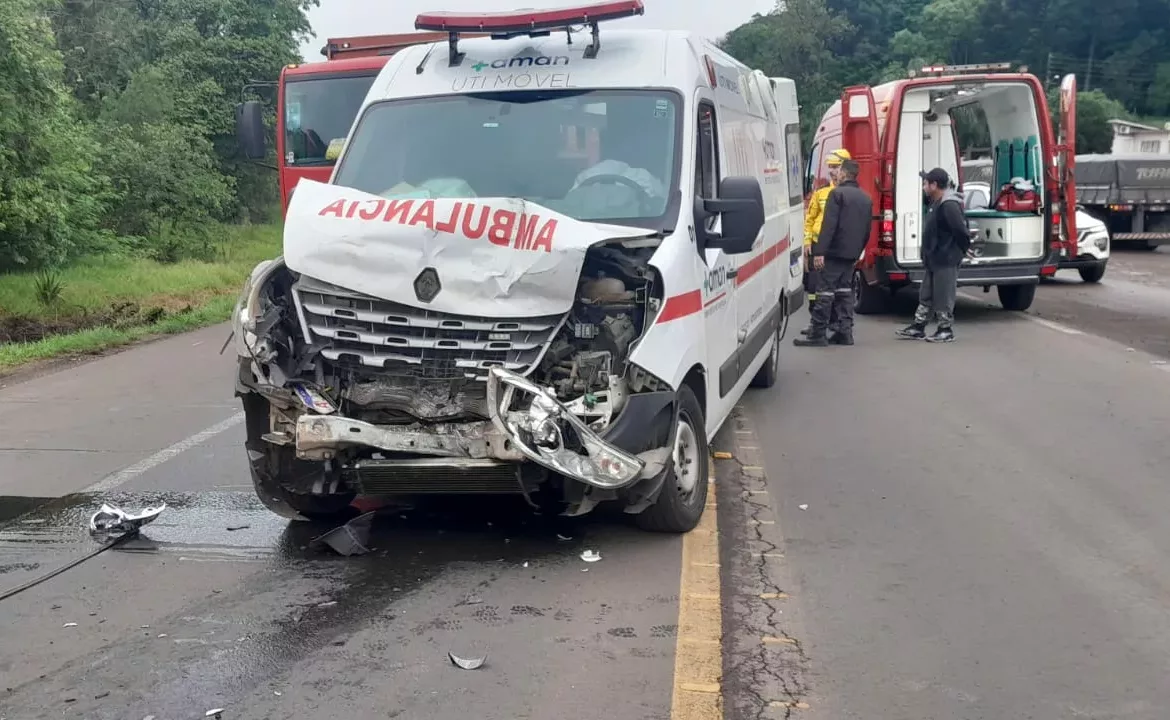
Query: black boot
[
  {"x": 917, "y": 331},
  {"x": 942, "y": 335},
  {"x": 805, "y": 331},
  {"x": 814, "y": 338},
  {"x": 841, "y": 338}
]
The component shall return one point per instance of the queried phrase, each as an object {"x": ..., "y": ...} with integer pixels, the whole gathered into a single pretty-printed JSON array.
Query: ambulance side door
[{"x": 719, "y": 298}]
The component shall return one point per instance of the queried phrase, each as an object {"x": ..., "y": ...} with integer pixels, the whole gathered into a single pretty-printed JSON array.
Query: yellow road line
[{"x": 698, "y": 652}]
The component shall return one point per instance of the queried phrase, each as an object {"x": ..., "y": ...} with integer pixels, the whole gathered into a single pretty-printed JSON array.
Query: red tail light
[{"x": 886, "y": 227}]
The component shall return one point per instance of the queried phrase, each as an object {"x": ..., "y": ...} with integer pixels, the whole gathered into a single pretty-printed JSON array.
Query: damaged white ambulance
[{"x": 545, "y": 265}]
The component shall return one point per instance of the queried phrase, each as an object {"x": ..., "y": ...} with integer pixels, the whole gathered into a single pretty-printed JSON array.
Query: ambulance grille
[{"x": 360, "y": 331}]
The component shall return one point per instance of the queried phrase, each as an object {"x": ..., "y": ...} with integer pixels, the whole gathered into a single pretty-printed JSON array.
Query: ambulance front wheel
[{"x": 683, "y": 496}]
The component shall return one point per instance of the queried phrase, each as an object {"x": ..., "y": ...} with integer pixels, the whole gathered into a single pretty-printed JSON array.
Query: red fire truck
[{"x": 316, "y": 104}]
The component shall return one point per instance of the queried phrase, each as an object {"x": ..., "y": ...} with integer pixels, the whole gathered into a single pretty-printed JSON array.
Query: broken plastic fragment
[
  {"x": 563, "y": 538},
  {"x": 69, "y": 625},
  {"x": 467, "y": 663},
  {"x": 590, "y": 556},
  {"x": 114, "y": 520},
  {"x": 803, "y": 507},
  {"x": 351, "y": 538},
  {"x": 216, "y": 713}
]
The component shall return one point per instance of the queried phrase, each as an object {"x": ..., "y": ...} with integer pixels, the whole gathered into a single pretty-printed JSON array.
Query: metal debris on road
[
  {"x": 590, "y": 556},
  {"x": 467, "y": 663},
  {"x": 113, "y": 520},
  {"x": 351, "y": 538}
]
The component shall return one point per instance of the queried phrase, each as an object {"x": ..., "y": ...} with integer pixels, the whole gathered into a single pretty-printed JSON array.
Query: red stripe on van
[
  {"x": 691, "y": 302},
  {"x": 679, "y": 306}
]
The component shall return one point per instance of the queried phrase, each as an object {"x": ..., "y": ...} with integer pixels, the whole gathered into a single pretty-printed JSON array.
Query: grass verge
[{"x": 90, "y": 315}]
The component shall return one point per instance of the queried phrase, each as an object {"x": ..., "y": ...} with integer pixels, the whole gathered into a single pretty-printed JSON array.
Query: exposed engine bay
[{"x": 371, "y": 387}]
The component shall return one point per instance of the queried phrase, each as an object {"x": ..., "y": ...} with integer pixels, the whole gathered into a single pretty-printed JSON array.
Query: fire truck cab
[{"x": 897, "y": 130}]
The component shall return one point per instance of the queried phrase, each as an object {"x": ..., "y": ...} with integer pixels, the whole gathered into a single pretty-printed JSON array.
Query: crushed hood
[{"x": 498, "y": 257}]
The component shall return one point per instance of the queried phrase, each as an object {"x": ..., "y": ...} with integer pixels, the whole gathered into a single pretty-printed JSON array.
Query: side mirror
[
  {"x": 740, "y": 206},
  {"x": 250, "y": 130}
]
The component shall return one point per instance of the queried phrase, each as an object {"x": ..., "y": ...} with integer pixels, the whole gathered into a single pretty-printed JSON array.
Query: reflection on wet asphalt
[{"x": 222, "y": 604}]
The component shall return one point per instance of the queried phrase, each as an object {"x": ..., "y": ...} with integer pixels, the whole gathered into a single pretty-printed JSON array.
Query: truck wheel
[
  {"x": 683, "y": 496},
  {"x": 766, "y": 375},
  {"x": 1092, "y": 273},
  {"x": 1016, "y": 298},
  {"x": 868, "y": 299},
  {"x": 275, "y": 467}
]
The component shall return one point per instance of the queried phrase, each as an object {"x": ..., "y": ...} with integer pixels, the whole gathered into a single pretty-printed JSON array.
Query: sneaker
[
  {"x": 811, "y": 340},
  {"x": 914, "y": 332},
  {"x": 942, "y": 335},
  {"x": 839, "y": 338}
]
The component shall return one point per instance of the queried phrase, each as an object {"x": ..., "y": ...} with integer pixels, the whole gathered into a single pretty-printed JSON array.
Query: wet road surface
[{"x": 905, "y": 532}]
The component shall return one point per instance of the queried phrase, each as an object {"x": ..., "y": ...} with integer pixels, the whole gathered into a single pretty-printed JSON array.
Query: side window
[
  {"x": 792, "y": 157},
  {"x": 829, "y": 145},
  {"x": 707, "y": 155},
  {"x": 810, "y": 175}
]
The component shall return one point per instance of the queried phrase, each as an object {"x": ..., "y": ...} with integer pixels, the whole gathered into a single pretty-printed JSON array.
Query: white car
[{"x": 1092, "y": 235}]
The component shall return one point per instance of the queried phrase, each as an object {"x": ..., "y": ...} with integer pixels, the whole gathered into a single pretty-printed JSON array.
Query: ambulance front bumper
[{"x": 546, "y": 432}]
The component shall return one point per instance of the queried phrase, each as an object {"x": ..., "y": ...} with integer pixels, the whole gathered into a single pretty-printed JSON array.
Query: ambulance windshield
[{"x": 592, "y": 155}]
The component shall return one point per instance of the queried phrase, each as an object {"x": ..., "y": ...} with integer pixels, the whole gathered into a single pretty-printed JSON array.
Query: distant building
[{"x": 1130, "y": 138}]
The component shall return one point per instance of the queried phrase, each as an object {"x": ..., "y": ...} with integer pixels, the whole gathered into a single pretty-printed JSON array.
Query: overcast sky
[{"x": 341, "y": 18}]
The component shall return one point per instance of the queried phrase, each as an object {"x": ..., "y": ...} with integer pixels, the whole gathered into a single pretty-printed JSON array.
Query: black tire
[
  {"x": 869, "y": 299},
  {"x": 770, "y": 370},
  {"x": 1016, "y": 298},
  {"x": 679, "y": 509},
  {"x": 1092, "y": 273},
  {"x": 275, "y": 467}
]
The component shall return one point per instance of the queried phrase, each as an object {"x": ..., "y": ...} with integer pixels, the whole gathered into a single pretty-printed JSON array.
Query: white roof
[{"x": 627, "y": 59}]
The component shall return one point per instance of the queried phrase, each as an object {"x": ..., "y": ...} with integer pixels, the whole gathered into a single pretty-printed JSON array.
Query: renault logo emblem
[{"x": 427, "y": 285}]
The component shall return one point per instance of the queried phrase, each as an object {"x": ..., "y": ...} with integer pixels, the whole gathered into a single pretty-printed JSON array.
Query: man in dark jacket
[
  {"x": 844, "y": 233},
  {"x": 945, "y": 241}
]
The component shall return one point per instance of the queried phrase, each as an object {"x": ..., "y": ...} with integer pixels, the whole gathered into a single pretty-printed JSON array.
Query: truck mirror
[
  {"x": 250, "y": 130},
  {"x": 740, "y": 206}
]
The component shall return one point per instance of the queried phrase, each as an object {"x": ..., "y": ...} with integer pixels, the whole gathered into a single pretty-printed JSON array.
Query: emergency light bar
[
  {"x": 964, "y": 69},
  {"x": 533, "y": 23}
]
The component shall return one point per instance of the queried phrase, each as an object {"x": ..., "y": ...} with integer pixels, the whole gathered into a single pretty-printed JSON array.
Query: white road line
[
  {"x": 1054, "y": 325},
  {"x": 121, "y": 477}
]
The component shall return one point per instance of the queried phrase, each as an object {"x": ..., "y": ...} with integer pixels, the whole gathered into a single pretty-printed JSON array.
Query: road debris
[
  {"x": 69, "y": 625},
  {"x": 467, "y": 663},
  {"x": 803, "y": 507},
  {"x": 590, "y": 556},
  {"x": 723, "y": 456},
  {"x": 113, "y": 520},
  {"x": 217, "y": 713},
  {"x": 234, "y": 528},
  {"x": 348, "y": 539}
]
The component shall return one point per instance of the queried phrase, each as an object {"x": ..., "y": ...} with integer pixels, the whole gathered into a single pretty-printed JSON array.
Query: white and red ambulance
[{"x": 549, "y": 262}]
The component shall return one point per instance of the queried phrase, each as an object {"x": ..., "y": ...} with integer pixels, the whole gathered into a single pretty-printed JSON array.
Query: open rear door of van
[
  {"x": 1066, "y": 162},
  {"x": 859, "y": 135}
]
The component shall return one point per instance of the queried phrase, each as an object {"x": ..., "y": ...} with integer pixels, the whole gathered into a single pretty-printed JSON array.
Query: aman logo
[{"x": 522, "y": 61}]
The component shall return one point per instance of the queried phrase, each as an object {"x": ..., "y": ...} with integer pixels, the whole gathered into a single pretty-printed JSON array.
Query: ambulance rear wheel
[
  {"x": 1016, "y": 298},
  {"x": 869, "y": 299},
  {"x": 683, "y": 496}
]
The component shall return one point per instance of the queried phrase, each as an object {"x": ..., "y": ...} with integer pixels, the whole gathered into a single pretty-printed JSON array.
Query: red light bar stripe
[
  {"x": 528, "y": 19},
  {"x": 691, "y": 302}
]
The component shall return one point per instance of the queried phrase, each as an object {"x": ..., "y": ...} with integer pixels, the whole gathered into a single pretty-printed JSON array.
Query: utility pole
[{"x": 1092, "y": 50}]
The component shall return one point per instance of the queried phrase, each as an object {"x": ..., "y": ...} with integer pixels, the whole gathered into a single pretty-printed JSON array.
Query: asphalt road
[{"x": 905, "y": 531}]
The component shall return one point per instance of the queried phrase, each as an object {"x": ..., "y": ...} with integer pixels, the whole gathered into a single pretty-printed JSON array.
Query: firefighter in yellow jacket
[{"x": 813, "y": 217}]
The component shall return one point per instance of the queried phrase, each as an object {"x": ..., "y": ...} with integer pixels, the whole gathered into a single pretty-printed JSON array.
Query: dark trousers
[
  {"x": 811, "y": 280},
  {"x": 834, "y": 303},
  {"x": 936, "y": 297}
]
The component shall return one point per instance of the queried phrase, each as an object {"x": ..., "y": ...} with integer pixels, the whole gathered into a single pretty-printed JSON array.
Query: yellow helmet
[{"x": 837, "y": 157}]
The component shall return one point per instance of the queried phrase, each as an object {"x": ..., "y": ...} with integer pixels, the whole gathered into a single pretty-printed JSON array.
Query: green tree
[
  {"x": 794, "y": 41},
  {"x": 51, "y": 200},
  {"x": 1094, "y": 111}
]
